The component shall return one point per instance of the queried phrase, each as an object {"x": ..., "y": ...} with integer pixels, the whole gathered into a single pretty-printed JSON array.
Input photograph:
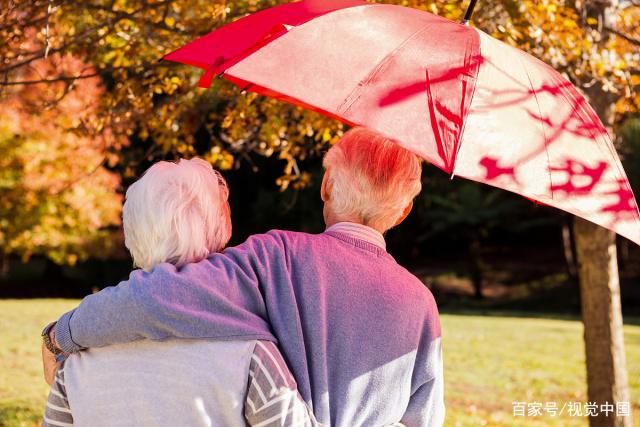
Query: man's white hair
[
  {"x": 176, "y": 213},
  {"x": 372, "y": 178}
]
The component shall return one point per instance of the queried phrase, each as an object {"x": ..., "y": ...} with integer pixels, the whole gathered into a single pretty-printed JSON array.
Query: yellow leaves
[
  {"x": 71, "y": 259},
  {"x": 292, "y": 176},
  {"x": 620, "y": 65},
  {"x": 53, "y": 207},
  {"x": 117, "y": 57},
  {"x": 569, "y": 24},
  {"x": 115, "y": 41},
  {"x": 326, "y": 136},
  {"x": 55, "y": 193},
  {"x": 450, "y": 7},
  {"x": 227, "y": 121},
  {"x": 303, "y": 181},
  {"x": 219, "y": 158},
  {"x": 168, "y": 85},
  {"x": 184, "y": 149},
  {"x": 169, "y": 21}
]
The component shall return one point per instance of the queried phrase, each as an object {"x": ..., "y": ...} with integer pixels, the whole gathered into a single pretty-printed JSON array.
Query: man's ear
[
  {"x": 325, "y": 189},
  {"x": 405, "y": 213}
]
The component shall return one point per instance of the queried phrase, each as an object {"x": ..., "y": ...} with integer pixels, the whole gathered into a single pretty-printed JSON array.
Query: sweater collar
[{"x": 359, "y": 231}]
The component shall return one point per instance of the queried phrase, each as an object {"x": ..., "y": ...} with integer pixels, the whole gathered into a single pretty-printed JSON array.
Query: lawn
[{"x": 490, "y": 362}]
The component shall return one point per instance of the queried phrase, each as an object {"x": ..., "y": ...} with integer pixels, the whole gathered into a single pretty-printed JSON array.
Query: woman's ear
[
  {"x": 405, "y": 213},
  {"x": 325, "y": 189}
]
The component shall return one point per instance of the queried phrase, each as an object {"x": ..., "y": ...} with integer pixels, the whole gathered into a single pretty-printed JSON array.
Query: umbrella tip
[{"x": 469, "y": 12}]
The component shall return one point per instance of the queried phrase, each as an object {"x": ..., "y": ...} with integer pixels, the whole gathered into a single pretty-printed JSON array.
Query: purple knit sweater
[{"x": 360, "y": 333}]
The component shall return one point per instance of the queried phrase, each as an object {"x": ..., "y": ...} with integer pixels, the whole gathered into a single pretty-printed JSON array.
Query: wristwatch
[{"x": 46, "y": 338}]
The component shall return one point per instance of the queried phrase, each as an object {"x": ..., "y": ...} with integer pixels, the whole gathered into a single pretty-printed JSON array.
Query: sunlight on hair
[
  {"x": 372, "y": 178},
  {"x": 176, "y": 213}
]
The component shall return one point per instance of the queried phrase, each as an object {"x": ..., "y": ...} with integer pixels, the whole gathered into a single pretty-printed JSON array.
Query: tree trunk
[
  {"x": 602, "y": 317},
  {"x": 598, "y": 270}
]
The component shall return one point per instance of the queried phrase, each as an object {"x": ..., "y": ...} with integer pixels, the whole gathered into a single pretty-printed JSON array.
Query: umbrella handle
[{"x": 469, "y": 12}]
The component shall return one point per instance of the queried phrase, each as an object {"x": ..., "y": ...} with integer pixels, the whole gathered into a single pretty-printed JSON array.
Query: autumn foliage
[{"x": 56, "y": 197}]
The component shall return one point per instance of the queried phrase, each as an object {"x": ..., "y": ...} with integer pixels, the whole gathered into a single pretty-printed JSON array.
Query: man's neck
[
  {"x": 359, "y": 231},
  {"x": 331, "y": 220}
]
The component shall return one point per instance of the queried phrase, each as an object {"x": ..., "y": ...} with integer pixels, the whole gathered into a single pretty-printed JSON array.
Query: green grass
[
  {"x": 22, "y": 387},
  {"x": 490, "y": 361}
]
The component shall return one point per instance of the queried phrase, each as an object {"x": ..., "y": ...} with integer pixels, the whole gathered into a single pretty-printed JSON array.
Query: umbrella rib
[
  {"x": 464, "y": 114},
  {"x": 544, "y": 133},
  {"x": 350, "y": 99}
]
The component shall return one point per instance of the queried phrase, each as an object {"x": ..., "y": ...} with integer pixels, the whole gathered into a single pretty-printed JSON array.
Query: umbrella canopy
[{"x": 464, "y": 101}]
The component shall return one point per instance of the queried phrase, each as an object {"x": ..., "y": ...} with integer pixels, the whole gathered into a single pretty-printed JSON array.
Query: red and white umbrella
[{"x": 464, "y": 101}]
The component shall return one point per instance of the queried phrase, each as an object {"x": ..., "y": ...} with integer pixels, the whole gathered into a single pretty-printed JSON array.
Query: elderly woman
[
  {"x": 360, "y": 333},
  {"x": 177, "y": 213}
]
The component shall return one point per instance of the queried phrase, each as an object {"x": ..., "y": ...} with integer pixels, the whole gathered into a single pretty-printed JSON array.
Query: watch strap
[{"x": 46, "y": 338}]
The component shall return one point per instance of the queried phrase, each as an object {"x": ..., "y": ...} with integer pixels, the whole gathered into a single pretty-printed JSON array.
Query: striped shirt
[{"x": 272, "y": 398}]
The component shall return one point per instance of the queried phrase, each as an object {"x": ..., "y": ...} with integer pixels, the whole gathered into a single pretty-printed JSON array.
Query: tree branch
[
  {"x": 53, "y": 80},
  {"x": 66, "y": 78},
  {"x": 41, "y": 52},
  {"x": 110, "y": 23},
  {"x": 622, "y": 35}
]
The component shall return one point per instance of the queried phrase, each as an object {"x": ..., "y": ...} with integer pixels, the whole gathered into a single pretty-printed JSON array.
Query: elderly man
[{"x": 360, "y": 333}]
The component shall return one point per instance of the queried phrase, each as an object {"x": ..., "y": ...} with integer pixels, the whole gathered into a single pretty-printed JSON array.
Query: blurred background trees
[{"x": 57, "y": 198}]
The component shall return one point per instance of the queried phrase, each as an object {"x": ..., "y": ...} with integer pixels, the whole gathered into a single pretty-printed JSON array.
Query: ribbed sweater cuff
[{"x": 63, "y": 334}]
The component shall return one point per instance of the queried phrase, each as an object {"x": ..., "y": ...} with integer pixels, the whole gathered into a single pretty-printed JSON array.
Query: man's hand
[{"x": 49, "y": 364}]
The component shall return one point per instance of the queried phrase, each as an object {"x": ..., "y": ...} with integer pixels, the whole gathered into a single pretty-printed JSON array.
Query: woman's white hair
[
  {"x": 176, "y": 213},
  {"x": 372, "y": 178}
]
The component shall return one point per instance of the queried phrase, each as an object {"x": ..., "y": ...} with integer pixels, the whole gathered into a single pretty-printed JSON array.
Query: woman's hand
[{"x": 49, "y": 364}]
